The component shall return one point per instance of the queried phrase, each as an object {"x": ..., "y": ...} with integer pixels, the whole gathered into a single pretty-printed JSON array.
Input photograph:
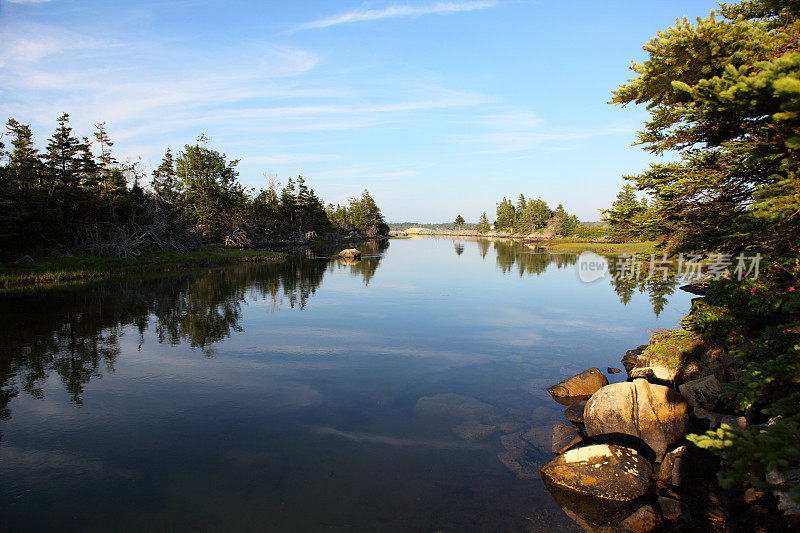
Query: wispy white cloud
[
  {"x": 511, "y": 131},
  {"x": 395, "y": 11},
  {"x": 27, "y": 1}
]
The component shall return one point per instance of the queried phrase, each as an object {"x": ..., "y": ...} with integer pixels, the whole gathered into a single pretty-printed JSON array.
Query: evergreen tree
[
  {"x": 87, "y": 167},
  {"x": 723, "y": 93},
  {"x": 23, "y": 160},
  {"x": 61, "y": 154},
  {"x": 538, "y": 213},
  {"x": 523, "y": 223},
  {"x": 211, "y": 191},
  {"x": 459, "y": 221},
  {"x": 105, "y": 161},
  {"x": 505, "y": 216},
  {"x": 621, "y": 217},
  {"x": 483, "y": 223},
  {"x": 165, "y": 180}
]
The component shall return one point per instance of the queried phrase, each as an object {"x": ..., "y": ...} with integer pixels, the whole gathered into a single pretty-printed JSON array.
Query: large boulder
[
  {"x": 578, "y": 387},
  {"x": 653, "y": 413},
  {"x": 602, "y": 471}
]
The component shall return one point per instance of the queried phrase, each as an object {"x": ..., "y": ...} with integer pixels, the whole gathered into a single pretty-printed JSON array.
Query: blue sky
[{"x": 437, "y": 107}]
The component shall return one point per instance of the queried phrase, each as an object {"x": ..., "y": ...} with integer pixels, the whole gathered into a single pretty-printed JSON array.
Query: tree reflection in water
[
  {"x": 528, "y": 259},
  {"x": 77, "y": 330}
]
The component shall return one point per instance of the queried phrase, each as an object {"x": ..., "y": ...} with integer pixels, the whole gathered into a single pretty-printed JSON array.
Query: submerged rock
[
  {"x": 457, "y": 406},
  {"x": 578, "y": 387},
  {"x": 564, "y": 438},
  {"x": 473, "y": 431},
  {"x": 602, "y": 471},
  {"x": 653, "y": 413},
  {"x": 519, "y": 457},
  {"x": 540, "y": 437},
  {"x": 574, "y": 412}
]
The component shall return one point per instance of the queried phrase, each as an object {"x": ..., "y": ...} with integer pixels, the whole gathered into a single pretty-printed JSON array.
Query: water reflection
[
  {"x": 416, "y": 404},
  {"x": 365, "y": 267},
  {"x": 76, "y": 331},
  {"x": 528, "y": 259}
]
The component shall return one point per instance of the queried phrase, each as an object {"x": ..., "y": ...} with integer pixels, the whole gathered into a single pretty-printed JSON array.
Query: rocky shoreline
[{"x": 624, "y": 463}]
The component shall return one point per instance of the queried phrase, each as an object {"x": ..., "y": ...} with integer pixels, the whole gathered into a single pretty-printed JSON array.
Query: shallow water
[{"x": 386, "y": 395}]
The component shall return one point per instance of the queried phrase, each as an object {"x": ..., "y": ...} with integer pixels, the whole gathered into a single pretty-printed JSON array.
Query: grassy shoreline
[
  {"x": 571, "y": 246},
  {"x": 57, "y": 270}
]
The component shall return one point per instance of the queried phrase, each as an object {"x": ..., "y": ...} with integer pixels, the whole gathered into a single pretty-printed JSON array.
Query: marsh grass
[
  {"x": 57, "y": 270},
  {"x": 574, "y": 246}
]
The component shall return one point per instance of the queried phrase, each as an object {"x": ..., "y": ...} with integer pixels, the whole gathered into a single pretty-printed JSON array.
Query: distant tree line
[
  {"x": 74, "y": 196},
  {"x": 529, "y": 215}
]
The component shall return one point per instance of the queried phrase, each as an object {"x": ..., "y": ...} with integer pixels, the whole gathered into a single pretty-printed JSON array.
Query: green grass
[
  {"x": 684, "y": 351},
  {"x": 572, "y": 246},
  {"x": 67, "y": 269}
]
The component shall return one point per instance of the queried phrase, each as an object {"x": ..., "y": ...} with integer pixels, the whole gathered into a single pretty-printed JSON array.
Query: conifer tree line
[
  {"x": 75, "y": 196},
  {"x": 529, "y": 215},
  {"x": 723, "y": 92},
  {"x": 630, "y": 218}
]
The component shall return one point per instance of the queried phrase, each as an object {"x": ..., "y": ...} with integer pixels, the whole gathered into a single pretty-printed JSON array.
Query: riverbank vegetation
[
  {"x": 529, "y": 216},
  {"x": 724, "y": 93},
  {"x": 55, "y": 270},
  {"x": 74, "y": 197},
  {"x": 576, "y": 246}
]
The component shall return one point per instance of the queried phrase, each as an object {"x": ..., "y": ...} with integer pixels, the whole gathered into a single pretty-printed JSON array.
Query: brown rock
[
  {"x": 669, "y": 474},
  {"x": 350, "y": 253},
  {"x": 786, "y": 503},
  {"x": 612, "y": 370},
  {"x": 631, "y": 358},
  {"x": 603, "y": 471},
  {"x": 644, "y": 519},
  {"x": 703, "y": 392},
  {"x": 574, "y": 412},
  {"x": 717, "y": 419},
  {"x": 654, "y": 413},
  {"x": 673, "y": 509},
  {"x": 654, "y": 374},
  {"x": 540, "y": 437},
  {"x": 578, "y": 387},
  {"x": 565, "y": 437},
  {"x": 700, "y": 288}
]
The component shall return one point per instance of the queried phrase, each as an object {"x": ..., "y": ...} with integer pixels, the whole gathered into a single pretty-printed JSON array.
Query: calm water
[{"x": 391, "y": 394}]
